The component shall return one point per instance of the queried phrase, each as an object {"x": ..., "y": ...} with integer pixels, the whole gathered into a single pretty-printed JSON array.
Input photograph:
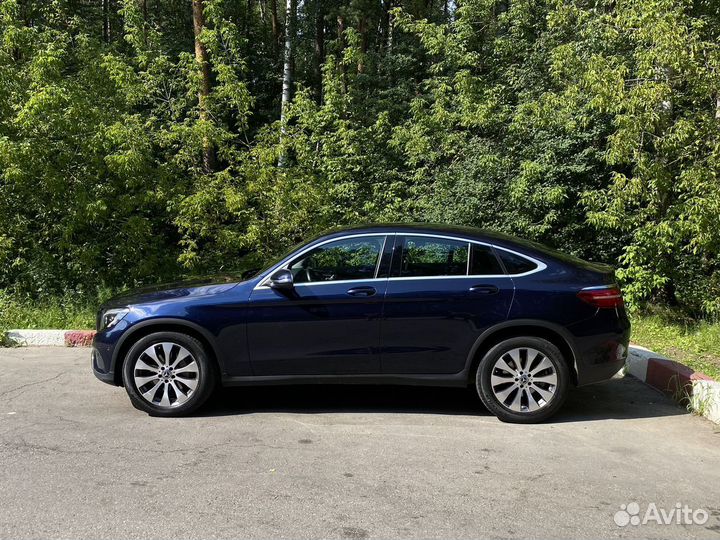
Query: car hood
[{"x": 156, "y": 293}]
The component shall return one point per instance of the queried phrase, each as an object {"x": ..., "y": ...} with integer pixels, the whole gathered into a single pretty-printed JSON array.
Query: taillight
[{"x": 605, "y": 297}]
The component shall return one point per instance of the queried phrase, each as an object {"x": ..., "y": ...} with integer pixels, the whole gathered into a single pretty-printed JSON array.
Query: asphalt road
[{"x": 77, "y": 461}]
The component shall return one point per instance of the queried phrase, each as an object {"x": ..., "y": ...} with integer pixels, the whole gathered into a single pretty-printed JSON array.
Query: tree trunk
[
  {"x": 274, "y": 24},
  {"x": 201, "y": 57},
  {"x": 288, "y": 57},
  {"x": 319, "y": 47},
  {"x": 341, "y": 38},
  {"x": 106, "y": 20},
  {"x": 384, "y": 25},
  {"x": 248, "y": 19},
  {"x": 287, "y": 83},
  {"x": 389, "y": 40},
  {"x": 144, "y": 11},
  {"x": 362, "y": 30}
]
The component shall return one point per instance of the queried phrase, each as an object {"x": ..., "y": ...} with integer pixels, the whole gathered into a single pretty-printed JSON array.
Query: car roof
[{"x": 471, "y": 233}]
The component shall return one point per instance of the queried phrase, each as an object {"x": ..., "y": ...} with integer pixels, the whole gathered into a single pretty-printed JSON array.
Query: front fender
[{"x": 148, "y": 326}]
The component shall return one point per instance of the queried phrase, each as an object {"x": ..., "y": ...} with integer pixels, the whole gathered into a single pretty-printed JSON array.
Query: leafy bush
[
  {"x": 67, "y": 312},
  {"x": 134, "y": 149}
]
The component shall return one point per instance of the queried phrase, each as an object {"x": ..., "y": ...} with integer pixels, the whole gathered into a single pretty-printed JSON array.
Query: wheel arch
[
  {"x": 152, "y": 326},
  {"x": 523, "y": 328}
]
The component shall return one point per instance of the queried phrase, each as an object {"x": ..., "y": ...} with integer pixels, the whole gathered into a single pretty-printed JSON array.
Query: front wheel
[
  {"x": 523, "y": 380},
  {"x": 168, "y": 374}
]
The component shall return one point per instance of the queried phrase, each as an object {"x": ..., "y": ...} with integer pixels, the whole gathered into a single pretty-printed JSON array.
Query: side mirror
[{"x": 282, "y": 280}]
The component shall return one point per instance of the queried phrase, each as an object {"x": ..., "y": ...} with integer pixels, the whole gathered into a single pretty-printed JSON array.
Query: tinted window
[
  {"x": 514, "y": 264},
  {"x": 426, "y": 256},
  {"x": 350, "y": 258},
  {"x": 483, "y": 262}
]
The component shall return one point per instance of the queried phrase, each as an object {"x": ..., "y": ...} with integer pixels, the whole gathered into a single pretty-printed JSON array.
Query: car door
[
  {"x": 443, "y": 292},
  {"x": 329, "y": 322}
]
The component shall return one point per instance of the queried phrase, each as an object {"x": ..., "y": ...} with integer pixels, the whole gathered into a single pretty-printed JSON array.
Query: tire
[
  {"x": 523, "y": 387},
  {"x": 174, "y": 386}
]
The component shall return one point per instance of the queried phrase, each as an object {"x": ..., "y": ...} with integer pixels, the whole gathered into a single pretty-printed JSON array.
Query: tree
[
  {"x": 134, "y": 146},
  {"x": 201, "y": 57},
  {"x": 287, "y": 79},
  {"x": 655, "y": 73}
]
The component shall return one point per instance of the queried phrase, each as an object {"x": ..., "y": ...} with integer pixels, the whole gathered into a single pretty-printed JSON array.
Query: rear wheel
[
  {"x": 523, "y": 380},
  {"x": 168, "y": 374}
]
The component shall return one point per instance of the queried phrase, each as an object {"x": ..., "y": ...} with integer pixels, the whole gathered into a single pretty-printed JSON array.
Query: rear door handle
[
  {"x": 362, "y": 291},
  {"x": 484, "y": 289}
]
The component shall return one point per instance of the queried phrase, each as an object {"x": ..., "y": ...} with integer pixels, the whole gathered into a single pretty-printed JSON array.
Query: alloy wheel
[
  {"x": 166, "y": 374},
  {"x": 524, "y": 380}
]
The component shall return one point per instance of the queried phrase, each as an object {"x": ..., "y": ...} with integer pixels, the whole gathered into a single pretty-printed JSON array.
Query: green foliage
[
  {"x": 61, "y": 312},
  {"x": 589, "y": 125},
  {"x": 496, "y": 142},
  {"x": 81, "y": 202},
  {"x": 655, "y": 74},
  {"x": 693, "y": 343}
]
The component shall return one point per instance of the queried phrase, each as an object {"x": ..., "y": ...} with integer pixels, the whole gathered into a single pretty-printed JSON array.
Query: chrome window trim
[
  {"x": 474, "y": 276},
  {"x": 341, "y": 281},
  {"x": 287, "y": 260},
  {"x": 540, "y": 266}
]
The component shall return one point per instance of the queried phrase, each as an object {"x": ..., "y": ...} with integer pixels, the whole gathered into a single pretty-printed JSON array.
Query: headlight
[{"x": 111, "y": 317}]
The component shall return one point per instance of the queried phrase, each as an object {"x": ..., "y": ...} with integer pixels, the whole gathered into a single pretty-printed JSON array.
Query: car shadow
[
  {"x": 621, "y": 398},
  {"x": 618, "y": 398}
]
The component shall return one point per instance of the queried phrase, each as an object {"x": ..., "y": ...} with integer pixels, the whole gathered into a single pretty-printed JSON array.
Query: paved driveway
[{"x": 76, "y": 460}]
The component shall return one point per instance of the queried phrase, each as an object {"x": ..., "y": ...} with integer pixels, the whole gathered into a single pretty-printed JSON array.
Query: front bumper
[
  {"x": 101, "y": 357},
  {"x": 104, "y": 348}
]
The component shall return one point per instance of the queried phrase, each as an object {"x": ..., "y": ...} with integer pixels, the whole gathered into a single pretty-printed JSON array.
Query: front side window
[
  {"x": 427, "y": 256},
  {"x": 345, "y": 259}
]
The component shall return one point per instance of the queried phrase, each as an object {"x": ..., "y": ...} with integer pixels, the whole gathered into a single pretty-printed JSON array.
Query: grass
[
  {"x": 69, "y": 312},
  {"x": 693, "y": 343}
]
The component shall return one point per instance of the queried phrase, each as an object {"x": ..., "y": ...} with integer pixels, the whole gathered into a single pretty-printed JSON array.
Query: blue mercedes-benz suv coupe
[{"x": 381, "y": 304}]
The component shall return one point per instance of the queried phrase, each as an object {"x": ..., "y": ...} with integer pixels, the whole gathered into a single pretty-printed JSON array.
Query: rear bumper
[
  {"x": 599, "y": 356},
  {"x": 599, "y": 373}
]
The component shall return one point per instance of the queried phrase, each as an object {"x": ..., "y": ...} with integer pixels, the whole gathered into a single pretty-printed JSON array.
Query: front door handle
[
  {"x": 484, "y": 289},
  {"x": 362, "y": 291}
]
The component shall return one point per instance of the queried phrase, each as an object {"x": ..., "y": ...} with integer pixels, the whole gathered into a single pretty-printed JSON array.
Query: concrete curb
[
  {"x": 79, "y": 338},
  {"x": 682, "y": 383},
  {"x": 51, "y": 338}
]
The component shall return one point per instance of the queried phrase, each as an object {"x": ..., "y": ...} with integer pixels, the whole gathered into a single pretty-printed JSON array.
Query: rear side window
[
  {"x": 515, "y": 264},
  {"x": 427, "y": 256},
  {"x": 483, "y": 262}
]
